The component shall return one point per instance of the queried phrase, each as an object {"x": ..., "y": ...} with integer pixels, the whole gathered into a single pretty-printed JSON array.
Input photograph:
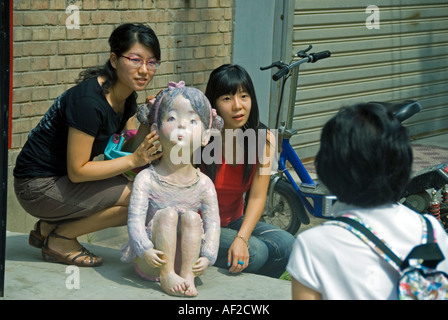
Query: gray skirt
[{"x": 59, "y": 199}]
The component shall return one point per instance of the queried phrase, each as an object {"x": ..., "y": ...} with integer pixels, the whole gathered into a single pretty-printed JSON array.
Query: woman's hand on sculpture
[
  {"x": 154, "y": 258},
  {"x": 200, "y": 266},
  {"x": 147, "y": 150}
]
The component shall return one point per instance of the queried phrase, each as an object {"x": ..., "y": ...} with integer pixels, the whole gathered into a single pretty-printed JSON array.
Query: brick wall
[{"x": 195, "y": 38}]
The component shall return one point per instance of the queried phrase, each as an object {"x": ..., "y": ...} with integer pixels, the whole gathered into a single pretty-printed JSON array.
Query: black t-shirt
[{"x": 83, "y": 107}]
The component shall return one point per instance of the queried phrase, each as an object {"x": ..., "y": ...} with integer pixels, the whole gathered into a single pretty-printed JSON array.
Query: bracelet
[{"x": 242, "y": 238}]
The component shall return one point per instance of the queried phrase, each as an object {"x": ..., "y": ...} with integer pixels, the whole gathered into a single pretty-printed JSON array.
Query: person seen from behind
[{"x": 365, "y": 159}]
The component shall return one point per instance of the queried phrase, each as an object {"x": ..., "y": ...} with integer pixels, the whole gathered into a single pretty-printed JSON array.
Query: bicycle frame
[{"x": 322, "y": 200}]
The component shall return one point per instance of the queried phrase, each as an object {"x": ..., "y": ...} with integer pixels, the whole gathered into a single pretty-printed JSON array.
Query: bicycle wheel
[{"x": 285, "y": 208}]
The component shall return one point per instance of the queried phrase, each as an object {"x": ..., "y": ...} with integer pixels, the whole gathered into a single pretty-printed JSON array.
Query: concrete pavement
[{"x": 28, "y": 277}]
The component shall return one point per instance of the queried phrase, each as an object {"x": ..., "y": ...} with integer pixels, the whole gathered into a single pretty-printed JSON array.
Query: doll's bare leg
[
  {"x": 164, "y": 234},
  {"x": 191, "y": 234}
]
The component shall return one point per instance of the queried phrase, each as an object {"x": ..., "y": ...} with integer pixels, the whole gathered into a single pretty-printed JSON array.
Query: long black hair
[
  {"x": 365, "y": 156},
  {"x": 228, "y": 79},
  {"x": 120, "y": 41}
]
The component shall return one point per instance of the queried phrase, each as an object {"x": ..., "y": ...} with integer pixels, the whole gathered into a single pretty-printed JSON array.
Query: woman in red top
[{"x": 245, "y": 243}]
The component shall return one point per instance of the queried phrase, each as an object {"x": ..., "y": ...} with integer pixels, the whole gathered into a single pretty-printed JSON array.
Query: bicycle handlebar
[
  {"x": 284, "y": 68},
  {"x": 292, "y": 71},
  {"x": 278, "y": 64},
  {"x": 280, "y": 73},
  {"x": 320, "y": 55}
]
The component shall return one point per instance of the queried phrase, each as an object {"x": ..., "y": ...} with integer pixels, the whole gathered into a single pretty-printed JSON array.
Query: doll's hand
[
  {"x": 154, "y": 258},
  {"x": 200, "y": 266}
]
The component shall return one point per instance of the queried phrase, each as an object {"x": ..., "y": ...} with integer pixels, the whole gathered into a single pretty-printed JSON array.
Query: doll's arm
[
  {"x": 211, "y": 222},
  {"x": 137, "y": 213}
]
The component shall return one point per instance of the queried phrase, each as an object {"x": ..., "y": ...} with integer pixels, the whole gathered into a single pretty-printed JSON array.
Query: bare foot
[
  {"x": 173, "y": 284},
  {"x": 191, "y": 291}
]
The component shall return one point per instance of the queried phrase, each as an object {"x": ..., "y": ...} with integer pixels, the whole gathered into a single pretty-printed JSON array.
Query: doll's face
[{"x": 181, "y": 125}]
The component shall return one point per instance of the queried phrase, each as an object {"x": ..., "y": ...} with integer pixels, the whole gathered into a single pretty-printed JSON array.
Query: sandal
[
  {"x": 36, "y": 239},
  {"x": 52, "y": 256}
]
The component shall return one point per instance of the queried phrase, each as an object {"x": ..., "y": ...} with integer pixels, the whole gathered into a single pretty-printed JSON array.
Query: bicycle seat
[{"x": 402, "y": 110}]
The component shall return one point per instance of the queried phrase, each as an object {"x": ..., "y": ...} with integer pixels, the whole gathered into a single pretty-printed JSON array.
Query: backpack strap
[
  {"x": 358, "y": 228},
  {"x": 429, "y": 251}
]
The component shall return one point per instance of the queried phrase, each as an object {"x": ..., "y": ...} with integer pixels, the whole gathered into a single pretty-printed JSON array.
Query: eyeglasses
[{"x": 137, "y": 63}]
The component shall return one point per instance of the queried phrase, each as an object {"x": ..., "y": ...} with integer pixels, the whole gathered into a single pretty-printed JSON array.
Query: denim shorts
[{"x": 58, "y": 199}]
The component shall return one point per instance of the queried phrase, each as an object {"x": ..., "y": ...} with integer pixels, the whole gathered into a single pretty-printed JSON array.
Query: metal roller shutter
[{"x": 406, "y": 58}]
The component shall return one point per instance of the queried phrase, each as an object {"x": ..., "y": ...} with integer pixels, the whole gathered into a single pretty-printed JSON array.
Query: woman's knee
[
  {"x": 258, "y": 254},
  {"x": 278, "y": 241},
  {"x": 280, "y": 244}
]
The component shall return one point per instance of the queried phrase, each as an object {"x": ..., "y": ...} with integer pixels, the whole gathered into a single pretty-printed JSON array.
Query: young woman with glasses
[{"x": 56, "y": 179}]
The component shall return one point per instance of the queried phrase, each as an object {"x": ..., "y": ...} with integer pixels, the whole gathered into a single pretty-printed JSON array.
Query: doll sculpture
[{"x": 173, "y": 219}]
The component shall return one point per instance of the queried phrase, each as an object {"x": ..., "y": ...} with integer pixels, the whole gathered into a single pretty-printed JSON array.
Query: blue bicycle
[{"x": 288, "y": 202}]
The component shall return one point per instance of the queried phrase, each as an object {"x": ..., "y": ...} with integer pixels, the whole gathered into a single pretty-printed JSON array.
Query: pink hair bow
[{"x": 172, "y": 84}]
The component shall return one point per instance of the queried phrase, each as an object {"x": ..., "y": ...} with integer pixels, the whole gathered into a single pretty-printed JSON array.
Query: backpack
[{"x": 419, "y": 279}]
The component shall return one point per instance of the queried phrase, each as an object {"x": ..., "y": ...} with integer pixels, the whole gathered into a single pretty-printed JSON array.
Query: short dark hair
[{"x": 365, "y": 156}]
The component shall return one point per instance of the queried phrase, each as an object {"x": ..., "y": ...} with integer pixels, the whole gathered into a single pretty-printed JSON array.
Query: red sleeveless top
[{"x": 230, "y": 191}]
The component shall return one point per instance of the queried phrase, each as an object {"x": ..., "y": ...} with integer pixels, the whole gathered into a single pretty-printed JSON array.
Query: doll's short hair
[{"x": 199, "y": 102}]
